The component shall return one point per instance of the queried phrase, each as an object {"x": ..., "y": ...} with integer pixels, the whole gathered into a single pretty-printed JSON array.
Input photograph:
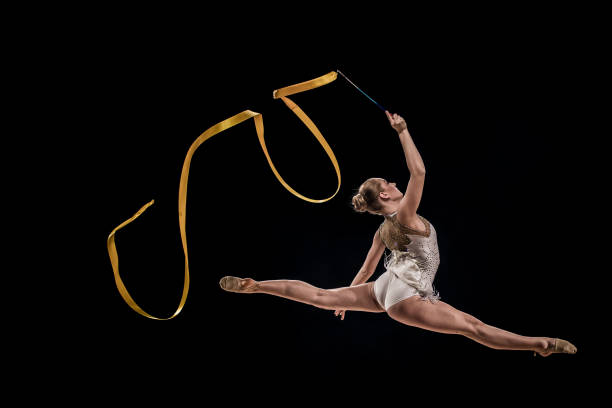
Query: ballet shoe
[
  {"x": 559, "y": 346},
  {"x": 235, "y": 284}
]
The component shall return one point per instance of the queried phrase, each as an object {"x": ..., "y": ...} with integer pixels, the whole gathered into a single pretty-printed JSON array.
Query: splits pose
[{"x": 405, "y": 290}]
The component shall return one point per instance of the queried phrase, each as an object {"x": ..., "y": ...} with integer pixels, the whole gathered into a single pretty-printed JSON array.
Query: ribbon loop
[{"x": 210, "y": 132}]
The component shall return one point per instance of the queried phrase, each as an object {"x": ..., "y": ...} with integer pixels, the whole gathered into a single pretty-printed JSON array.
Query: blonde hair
[{"x": 367, "y": 197}]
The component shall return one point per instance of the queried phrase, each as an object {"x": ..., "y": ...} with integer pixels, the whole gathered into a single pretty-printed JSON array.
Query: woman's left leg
[
  {"x": 443, "y": 318},
  {"x": 358, "y": 297}
]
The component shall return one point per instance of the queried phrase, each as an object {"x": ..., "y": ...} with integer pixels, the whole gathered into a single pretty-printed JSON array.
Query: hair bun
[{"x": 359, "y": 202}]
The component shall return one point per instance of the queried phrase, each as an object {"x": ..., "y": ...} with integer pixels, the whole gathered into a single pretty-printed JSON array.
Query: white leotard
[{"x": 410, "y": 268}]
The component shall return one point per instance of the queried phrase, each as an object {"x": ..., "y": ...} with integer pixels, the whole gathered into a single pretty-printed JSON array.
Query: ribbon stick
[
  {"x": 377, "y": 104},
  {"x": 182, "y": 196}
]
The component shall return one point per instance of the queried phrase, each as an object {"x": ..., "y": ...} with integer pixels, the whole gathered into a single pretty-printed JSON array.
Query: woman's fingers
[{"x": 394, "y": 119}]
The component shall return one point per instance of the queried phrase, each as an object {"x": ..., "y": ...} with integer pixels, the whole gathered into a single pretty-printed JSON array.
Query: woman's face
[{"x": 390, "y": 188}]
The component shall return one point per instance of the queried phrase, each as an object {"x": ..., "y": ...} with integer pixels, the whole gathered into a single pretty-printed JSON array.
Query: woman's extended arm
[{"x": 413, "y": 158}]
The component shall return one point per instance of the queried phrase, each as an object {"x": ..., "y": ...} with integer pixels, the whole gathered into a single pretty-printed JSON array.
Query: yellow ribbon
[{"x": 210, "y": 132}]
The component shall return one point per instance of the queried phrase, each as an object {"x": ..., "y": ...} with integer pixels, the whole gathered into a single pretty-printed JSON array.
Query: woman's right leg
[
  {"x": 357, "y": 298},
  {"x": 443, "y": 318}
]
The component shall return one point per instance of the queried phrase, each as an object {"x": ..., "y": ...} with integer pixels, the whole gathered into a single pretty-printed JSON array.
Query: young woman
[{"x": 405, "y": 291}]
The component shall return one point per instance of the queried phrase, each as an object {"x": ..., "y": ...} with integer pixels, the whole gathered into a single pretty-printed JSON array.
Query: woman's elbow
[{"x": 419, "y": 171}]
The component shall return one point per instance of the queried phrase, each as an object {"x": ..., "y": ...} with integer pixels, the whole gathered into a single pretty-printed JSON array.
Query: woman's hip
[{"x": 389, "y": 290}]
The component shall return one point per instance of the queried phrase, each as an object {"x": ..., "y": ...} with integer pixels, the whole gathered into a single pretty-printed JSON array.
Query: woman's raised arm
[{"x": 413, "y": 158}]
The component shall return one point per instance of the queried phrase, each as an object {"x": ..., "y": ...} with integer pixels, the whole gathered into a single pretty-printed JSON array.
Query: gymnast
[{"x": 405, "y": 290}]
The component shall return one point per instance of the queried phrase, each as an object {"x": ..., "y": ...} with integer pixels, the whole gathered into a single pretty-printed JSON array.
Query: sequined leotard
[{"x": 412, "y": 264}]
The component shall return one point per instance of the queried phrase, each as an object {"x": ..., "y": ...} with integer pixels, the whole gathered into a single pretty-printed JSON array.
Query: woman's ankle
[{"x": 545, "y": 344}]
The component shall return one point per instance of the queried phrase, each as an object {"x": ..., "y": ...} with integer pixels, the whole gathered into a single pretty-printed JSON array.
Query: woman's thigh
[
  {"x": 439, "y": 316},
  {"x": 359, "y": 298}
]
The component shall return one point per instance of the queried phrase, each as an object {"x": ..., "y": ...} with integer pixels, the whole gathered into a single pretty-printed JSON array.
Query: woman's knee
[
  {"x": 471, "y": 326},
  {"x": 325, "y": 299}
]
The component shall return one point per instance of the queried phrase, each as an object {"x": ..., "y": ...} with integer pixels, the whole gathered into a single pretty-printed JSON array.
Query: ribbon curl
[{"x": 210, "y": 132}]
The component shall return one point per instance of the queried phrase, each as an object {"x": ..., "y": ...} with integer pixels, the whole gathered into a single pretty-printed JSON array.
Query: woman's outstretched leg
[
  {"x": 358, "y": 297},
  {"x": 443, "y": 318}
]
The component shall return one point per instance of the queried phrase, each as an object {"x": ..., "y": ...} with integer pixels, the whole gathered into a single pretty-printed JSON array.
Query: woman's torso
[{"x": 405, "y": 242}]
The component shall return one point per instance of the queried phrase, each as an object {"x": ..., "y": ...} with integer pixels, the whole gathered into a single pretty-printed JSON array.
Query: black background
[{"x": 498, "y": 119}]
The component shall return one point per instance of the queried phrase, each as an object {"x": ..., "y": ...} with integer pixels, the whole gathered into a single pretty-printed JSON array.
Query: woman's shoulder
[{"x": 413, "y": 223}]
